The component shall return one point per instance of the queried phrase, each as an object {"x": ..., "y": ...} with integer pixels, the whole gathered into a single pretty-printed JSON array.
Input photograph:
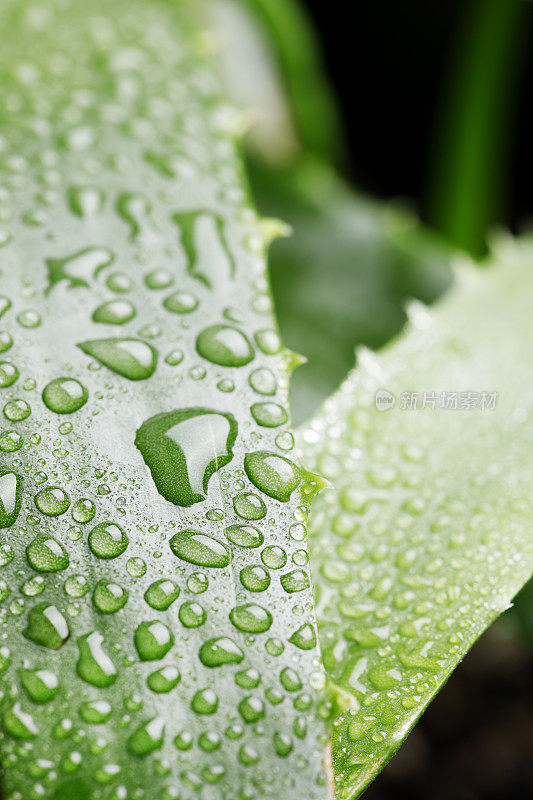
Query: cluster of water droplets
[{"x": 157, "y": 627}]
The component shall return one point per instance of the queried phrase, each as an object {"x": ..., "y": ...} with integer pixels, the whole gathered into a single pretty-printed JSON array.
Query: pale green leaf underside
[
  {"x": 425, "y": 536},
  {"x": 126, "y": 237}
]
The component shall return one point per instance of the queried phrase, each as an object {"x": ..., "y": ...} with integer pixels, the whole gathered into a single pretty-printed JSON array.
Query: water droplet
[
  {"x": 249, "y": 506},
  {"x": 10, "y": 441},
  {"x": 6, "y": 341},
  {"x": 29, "y": 318},
  {"x": 159, "y": 279},
  {"x": 40, "y": 684},
  {"x": 108, "y": 540},
  {"x": 295, "y": 581},
  {"x": 224, "y": 345},
  {"x": 114, "y": 312},
  {"x": 251, "y": 709},
  {"x": 184, "y": 740},
  {"x": 274, "y": 475},
  {"x": 131, "y": 358},
  {"x": 223, "y": 650},
  {"x": 192, "y": 615},
  {"x": 181, "y": 302},
  {"x": 118, "y": 282},
  {"x": 9, "y": 374},
  {"x": 85, "y": 201},
  {"x": 76, "y": 586},
  {"x": 78, "y": 269},
  {"x": 282, "y": 744},
  {"x": 65, "y": 395},
  {"x": 83, "y": 510},
  {"x": 304, "y": 637},
  {"x": 268, "y": 341},
  {"x": 269, "y": 415},
  {"x": 244, "y": 535},
  {"x": 199, "y": 548},
  {"x": 136, "y": 567},
  {"x": 161, "y": 594},
  {"x": 47, "y": 626},
  {"x": 255, "y": 578},
  {"x": 148, "y": 737},
  {"x": 94, "y": 665},
  {"x": 5, "y": 304},
  {"x": 290, "y": 680},
  {"x": 153, "y": 640},
  {"x": 19, "y": 723},
  {"x": 17, "y": 410},
  {"x": 10, "y": 497},
  {"x": 197, "y": 583},
  {"x": 52, "y": 501},
  {"x": 95, "y": 712},
  {"x": 109, "y": 597},
  {"x": 251, "y": 618},
  {"x": 183, "y": 449},
  {"x": 204, "y": 701},
  {"x": 274, "y": 557},
  {"x": 164, "y": 680},
  {"x": 46, "y": 554},
  {"x": 248, "y": 678}
]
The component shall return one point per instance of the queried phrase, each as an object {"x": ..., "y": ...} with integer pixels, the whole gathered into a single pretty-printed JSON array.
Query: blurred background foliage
[{"x": 393, "y": 137}]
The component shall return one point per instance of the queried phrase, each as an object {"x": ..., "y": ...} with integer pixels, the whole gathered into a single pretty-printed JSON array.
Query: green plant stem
[{"x": 467, "y": 183}]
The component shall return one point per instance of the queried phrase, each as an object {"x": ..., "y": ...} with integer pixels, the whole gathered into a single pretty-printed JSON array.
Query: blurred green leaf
[{"x": 425, "y": 537}]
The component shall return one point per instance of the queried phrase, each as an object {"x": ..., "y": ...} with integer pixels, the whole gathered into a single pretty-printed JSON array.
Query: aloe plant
[{"x": 159, "y": 629}]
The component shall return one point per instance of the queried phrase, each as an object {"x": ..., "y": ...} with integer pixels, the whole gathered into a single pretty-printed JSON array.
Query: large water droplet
[
  {"x": 251, "y": 709},
  {"x": 78, "y": 269},
  {"x": 19, "y": 723},
  {"x": 9, "y": 374},
  {"x": 161, "y": 594},
  {"x": 148, "y": 737},
  {"x": 183, "y": 449},
  {"x": 108, "y": 540},
  {"x": 17, "y": 410},
  {"x": 199, "y": 548},
  {"x": 46, "y": 554},
  {"x": 95, "y": 712},
  {"x": 153, "y": 640},
  {"x": 83, "y": 510},
  {"x": 164, "y": 680},
  {"x": 94, "y": 665},
  {"x": 244, "y": 535},
  {"x": 251, "y": 618},
  {"x": 47, "y": 626},
  {"x": 131, "y": 358},
  {"x": 181, "y": 302},
  {"x": 114, "y": 312},
  {"x": 269, "y": 415},
  {"x": 65, "y": 395},
  {"x": 274, "y": 475},
  {"x": 41, "y": 685},
  {"x": 249, "y": 506},
  {"x": 222, "y": 650},
  {"x": 205, "y": 701},
  {"x": 224, "y": 345},
  {"x": 10, "y": 497},
  {"x": 109, "y": 597},
  {"x": 295, "y": 581},
  {"x": 255, "y": 578},
  {"x": 192, "y": 615},
  {"x": 52, "y": 501},
  {"x": 304, "y": 637}
]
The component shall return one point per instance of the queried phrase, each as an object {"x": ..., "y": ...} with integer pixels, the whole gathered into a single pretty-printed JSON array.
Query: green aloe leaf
[
  {"x": 157, "y": 623},
  {"x": 425, "y": 537}
]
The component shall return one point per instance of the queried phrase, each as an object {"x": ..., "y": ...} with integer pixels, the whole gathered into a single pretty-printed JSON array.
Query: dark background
[{"x": 390, "y": 64}]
